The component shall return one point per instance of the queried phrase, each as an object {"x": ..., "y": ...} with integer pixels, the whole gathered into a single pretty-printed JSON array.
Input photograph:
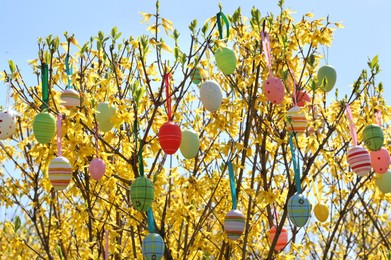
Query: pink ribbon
[
  {"x": 59, "y": 134},
  {"x": 168, "y": 97},
  {"x": 351, "y": 125},
  {"x": 266, "y": 49},
  {"x": 378, "y": 117},
  {"x": 107, "y": 245},
  {"x": 96, "y": 138}
]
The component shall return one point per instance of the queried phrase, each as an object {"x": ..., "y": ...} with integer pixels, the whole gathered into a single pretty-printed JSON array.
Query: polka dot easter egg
[
  {"x": 359, "y": 160},
  {"x": 380, "y": 160},
  {"x": 274, "y": 90},
  {"x": 153, "y": 247},
  {"x": 234, "y": 224},
  {"x": 7, "y": 124}
]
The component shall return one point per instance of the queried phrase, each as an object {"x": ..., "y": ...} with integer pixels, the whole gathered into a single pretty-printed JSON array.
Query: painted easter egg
[
  {"x": 234, "y": 224},
  {"x": 170, "y": 137},
  {"x": 60, "y": 173},
  {"x": 142, "y": 193},
  {"x": 7, "y": 124},
  {"x": 104, "y": 116},
  {"x": 97, "y": 168},
  {"x": 190, "y": 143},
  {"x": 373, "y": 137},
  {"x": 153, "y": 247},
  {"x": 302, "y": 97},
  {"x": 44, "y": 127},
  {"x": 359, "y": 160},
  {"x": 299, "y": 209},
  {"x": 380, "y": 160},
  {"x": 211, "y": 95},
  {"x": 195, "y": 76},
  {"x": 297, "y": 122},
  {"x": 383, "y": 182},
  {"x": 327, "y": 76},
  {"x": 282, "y": 239},
  {"x": 321, "y": 212},
  {"x": 274, "y": 90},
  {"x": 226, "y": 60},
  {"x": 70, "y": 98}
]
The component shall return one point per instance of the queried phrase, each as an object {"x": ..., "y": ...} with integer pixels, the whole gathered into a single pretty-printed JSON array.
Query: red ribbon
[
  {"x": 351, "y": 125},
  {"x": 266, "y": 49},
  {"x": 168, "y": 97}
]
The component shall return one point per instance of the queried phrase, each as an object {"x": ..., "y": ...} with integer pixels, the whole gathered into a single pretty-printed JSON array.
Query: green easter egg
[
  {"x": 383, "y": 182},
  {"x": 373, "y": 137},
  {"x": 190, "y": 143},
  {"x": 196, "y": 76},
  {"x": 328, "y": 74},
  {"x": 226, "y": 60},
  {"x": 44, "y": 127},
  {"x": 142, "y": 193},
  {"x": 104, "y": 116}
]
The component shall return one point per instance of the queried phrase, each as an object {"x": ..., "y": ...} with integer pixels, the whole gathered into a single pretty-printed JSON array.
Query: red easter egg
[
  {"x": 170, "y": 137},
  {"x": 282, "y": 239},
  {"x": 380, "y": 160},
  {"x": 274, "y": 90},
  {"x": 359, "y": 160},
  {"x": 302, "y": 97}
]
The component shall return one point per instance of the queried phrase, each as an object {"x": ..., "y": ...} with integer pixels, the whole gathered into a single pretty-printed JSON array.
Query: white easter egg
[{"x": 211, "y": 95}]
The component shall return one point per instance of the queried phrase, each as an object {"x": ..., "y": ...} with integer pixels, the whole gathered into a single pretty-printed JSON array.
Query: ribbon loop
[
  {"x": 296, "y": 165},
  {"x": 168, "y": 97},
  {"x": 68, "y": 71},
  {"x": 151, "y": 221},
  {"x": 232, "y": 185},
  {"x": 219, "y": 24},
  {"x": 267, "y": 50},
  {"x": 352, "y": 127},
  {"x": 59, "y": 134},
  {"x": 45, "y": 85}
]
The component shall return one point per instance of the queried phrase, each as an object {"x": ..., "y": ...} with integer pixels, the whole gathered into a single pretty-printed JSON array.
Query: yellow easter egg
[{"x": 321, "y": 212}]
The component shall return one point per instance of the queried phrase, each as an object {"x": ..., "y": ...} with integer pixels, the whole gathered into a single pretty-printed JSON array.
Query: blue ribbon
[
  {"x": 296, "y": 164},
  {"x": 232, "y": 185},
  {"x": 68, "y": 71},
  {"x": 151, "y": 221}
]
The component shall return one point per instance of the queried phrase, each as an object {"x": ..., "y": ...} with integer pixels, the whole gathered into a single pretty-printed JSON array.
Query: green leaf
[
  {"x": 17, "y": 223},
  {"x": 192, "y": 26},
  {"x": 12, "y": 66}
]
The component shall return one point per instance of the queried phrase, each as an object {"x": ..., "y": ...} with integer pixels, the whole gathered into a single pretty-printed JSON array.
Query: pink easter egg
[
  {"x": 97, "y": 168},
  {"x": 274, "y": 90},
  {"x": 380, "y": 160},
  {"x": 359, "y": 160}
]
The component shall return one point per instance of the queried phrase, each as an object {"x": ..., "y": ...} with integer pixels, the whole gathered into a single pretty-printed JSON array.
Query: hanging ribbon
[
  {"x": 266, "y": 49},
  {"x": 8, "y": 97},
  {"x": 68, "y": 71},
  {"x": 296, "y": 165},
  {"x": 352, "y": 127},
  {"x": 232, "y": 185},
  {"x": 59, "y": 134},
  {"x": 168, "y": 97},
  {"x": 220, "y": 15},
  {"x": 378, "y": 118},
  {"x": 96, "y": 139},
  {"x": 151, "y": 221},
  {"x": 107, "y": 245},
  {"x": 45, "y": 85}
]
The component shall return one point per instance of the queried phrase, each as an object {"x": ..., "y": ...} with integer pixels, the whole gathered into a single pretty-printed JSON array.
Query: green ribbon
[
  {"x": 220, "y": 26},
  {"x": 296, "y": 165},
  {"x": 45, "y": 85},
  {"x": 151, "y": 221},
  {"x": 68, "y": 71},
  {"x": 232, "y": 185}
]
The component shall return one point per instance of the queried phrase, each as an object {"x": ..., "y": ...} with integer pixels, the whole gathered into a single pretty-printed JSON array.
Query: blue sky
[{"x": 366, "y": 32}]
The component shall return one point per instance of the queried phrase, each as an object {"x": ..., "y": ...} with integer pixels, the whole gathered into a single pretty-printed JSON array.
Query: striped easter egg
[
  {"x": 297, "y": 122},
  {"x": 170, "y": 137},
  {"x": 211, "y": 95},
  {"x": 60, "y": 173},
  {"x": 195, "y": 76},
  {"x": 44, "y": 127},
  {"x": 373, "y": 137},
  {"x": 380, "y": 160},
  {"x": 234, "y": 224},
  {"x": 70, "y": 98},
  {"x": 226, "y": 60},
  {"x": 274, "y": 90},
  {"x": 282, "y": 239},
  {"x": 299, "y": 209},
  {"x": 7, "y": 124},
  {"x": 142, "y": 193},
  {"x": 153, "y": 247},
  {"x": 359, "y": 160}
]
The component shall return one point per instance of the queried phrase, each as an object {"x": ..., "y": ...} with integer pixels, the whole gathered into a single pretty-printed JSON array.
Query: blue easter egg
[
  {"x": 299, "y": 209},
  {"x": 153, "y": 247}
]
